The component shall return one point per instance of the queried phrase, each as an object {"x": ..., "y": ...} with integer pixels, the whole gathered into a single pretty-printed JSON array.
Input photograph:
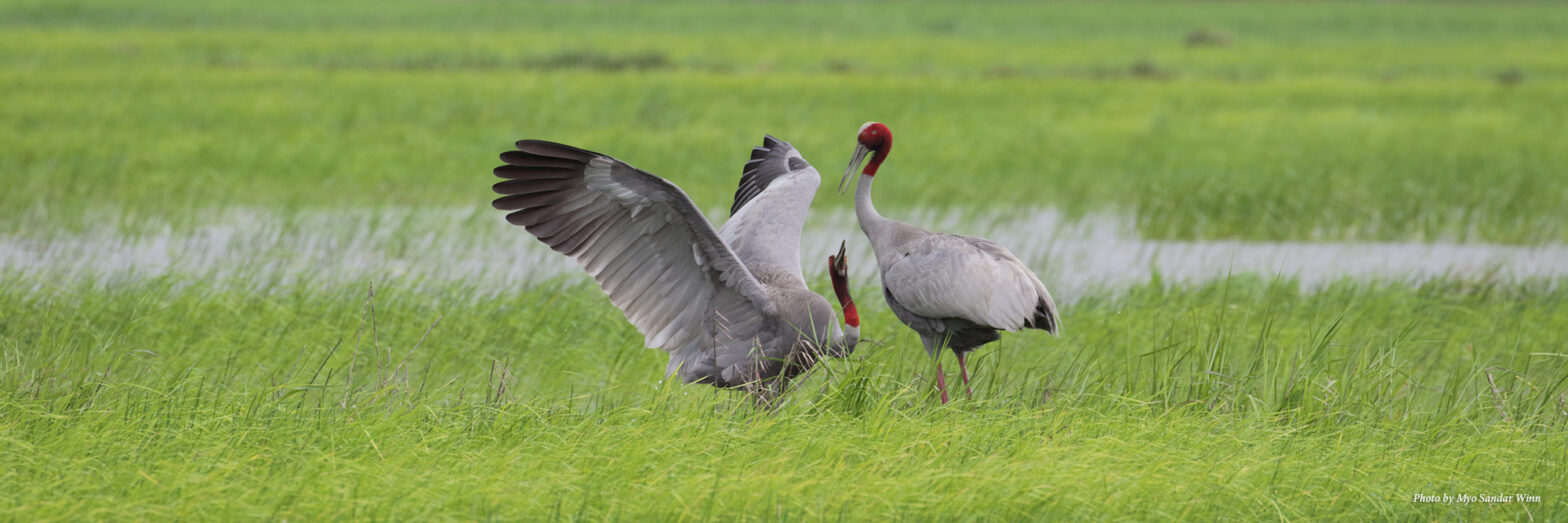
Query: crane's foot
[
  {"x": 964, "y": 371},
  {"x": 941, "y": 382}
]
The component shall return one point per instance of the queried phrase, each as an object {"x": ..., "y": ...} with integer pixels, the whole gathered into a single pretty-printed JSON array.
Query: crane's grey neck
[{"x": 865, "y": 211}]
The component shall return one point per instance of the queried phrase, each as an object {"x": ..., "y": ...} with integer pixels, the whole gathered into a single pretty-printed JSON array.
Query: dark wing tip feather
[
  {"x": 555, "y": 150},
  {"x": 767, "y": 163},
  {"x": 535, "y": 171}
]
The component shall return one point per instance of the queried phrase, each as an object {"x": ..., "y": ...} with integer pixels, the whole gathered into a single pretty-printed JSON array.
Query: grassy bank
[{"x": 1252, "y": 400}]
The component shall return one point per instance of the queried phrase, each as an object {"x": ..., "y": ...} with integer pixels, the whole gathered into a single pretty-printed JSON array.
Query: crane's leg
[
  {"x": 941, "y": 382},
  {"x": 964, "y": 371}
]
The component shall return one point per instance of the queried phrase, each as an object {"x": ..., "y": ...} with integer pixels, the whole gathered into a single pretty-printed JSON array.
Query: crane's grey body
[
  {"x": 954, "y": 291},
  {"x": 730, "y": 306}
]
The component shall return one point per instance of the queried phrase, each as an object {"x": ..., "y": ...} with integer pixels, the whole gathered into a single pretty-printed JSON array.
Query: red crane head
[
  {"x": 875, "y": 140},
  {"x": 876, "y": 137}
]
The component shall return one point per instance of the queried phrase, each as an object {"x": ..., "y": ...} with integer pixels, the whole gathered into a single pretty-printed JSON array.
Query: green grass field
[{"x": 173, "y": 396}]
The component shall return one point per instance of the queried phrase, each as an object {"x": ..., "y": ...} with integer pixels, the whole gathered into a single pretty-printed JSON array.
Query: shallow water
[{"x": 445, "y": 246}]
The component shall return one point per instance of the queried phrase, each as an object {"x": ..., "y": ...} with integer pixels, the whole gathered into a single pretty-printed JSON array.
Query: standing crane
[
  {"x": 955, "y": 291},
  {"x": 730, "y": 306}
]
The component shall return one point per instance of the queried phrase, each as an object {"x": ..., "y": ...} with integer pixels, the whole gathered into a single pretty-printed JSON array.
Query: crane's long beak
[
  {"x": 861, "y": 152},
  {"x": 840, "y": 265}
]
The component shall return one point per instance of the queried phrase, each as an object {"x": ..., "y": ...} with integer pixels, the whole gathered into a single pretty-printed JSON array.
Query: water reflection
[{"x": 443, "y": 246}]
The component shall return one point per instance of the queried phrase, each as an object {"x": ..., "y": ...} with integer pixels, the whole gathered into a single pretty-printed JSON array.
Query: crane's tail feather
[{"x": 1045, "y": 317}]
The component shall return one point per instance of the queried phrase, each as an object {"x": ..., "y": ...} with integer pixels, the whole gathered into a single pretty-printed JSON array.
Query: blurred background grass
[{"x": 1213, "y": 120}]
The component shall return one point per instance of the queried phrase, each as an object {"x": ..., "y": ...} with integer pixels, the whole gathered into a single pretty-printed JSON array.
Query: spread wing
[
  {"x": 774, "y": 159},
  {"x": 952, "y": 276},
  {"x": 642, "y": 239},
  {"x": 771, "y": 203}
]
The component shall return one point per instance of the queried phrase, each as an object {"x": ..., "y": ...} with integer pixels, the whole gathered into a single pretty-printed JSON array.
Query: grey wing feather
[
  {"x": 952, "y": 276},
  {"x": 1042, "y": 313},
  {"x": 770, "y": 209},
  {"x": 645, "y": 243}
]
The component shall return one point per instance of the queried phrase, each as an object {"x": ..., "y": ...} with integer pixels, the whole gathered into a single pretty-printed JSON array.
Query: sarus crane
[
  {"x": 955, "y": 291},
  {"x": 729, "y": 305}
]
